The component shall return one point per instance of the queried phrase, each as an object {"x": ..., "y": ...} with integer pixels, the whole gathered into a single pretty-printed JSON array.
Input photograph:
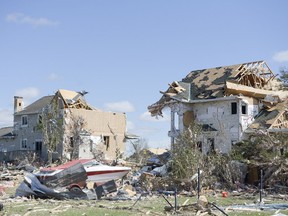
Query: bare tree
[
  {"x": 137, "y": 146},
  {"x": 75, "y": 129},
  {"x": 284, "y": 74},
  {"x": 187, "y": 157},
  {"x": 51, "y": 126},
  {"x": 186, "y": 153}
]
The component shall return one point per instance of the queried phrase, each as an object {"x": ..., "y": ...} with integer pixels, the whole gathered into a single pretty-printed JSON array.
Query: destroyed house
[
  {"x": 66, "y": 122},
  {"x": 229, "y": 102}
]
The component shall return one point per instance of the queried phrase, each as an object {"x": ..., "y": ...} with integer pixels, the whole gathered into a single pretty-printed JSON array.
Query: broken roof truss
[
  {"x": 252, "y": 79},
  {"x": 73, "y": 99},
  {"x": 254, "y": 74}
]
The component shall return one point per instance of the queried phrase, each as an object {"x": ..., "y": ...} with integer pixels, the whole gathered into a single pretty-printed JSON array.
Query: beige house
[
  {"x": 67, "y": 125},
  {"x": 229, "y": 102}
]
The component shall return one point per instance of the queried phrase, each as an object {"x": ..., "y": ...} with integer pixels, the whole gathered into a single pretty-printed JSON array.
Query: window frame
[
  {"x": 41, "y": 145},
  {"x": 245, "y": 106},
  {"x": 234, "y": 108},
  {"x": 23, "y": 141},
  {"x": 24, "y": 120},
  {"x": 40, "y": 119},
  {"x": 106, "y": 141}
]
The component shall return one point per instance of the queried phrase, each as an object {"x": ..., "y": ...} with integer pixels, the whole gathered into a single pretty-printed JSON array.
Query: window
[
  {"x": 106, "y": 142},
  {"x": 199, "y": 146},
  {"x": 71, "y": 142},
  {"x": 38, "y": 146},
  {"x": 244, "y": 108},
  {"x": 233, "y": 108},
  {"x": 40, "y": 119},
  {"x": 24, "y": 143},
  {"x": 24, "y": 120},
  {"x": 211, "y": 145}
]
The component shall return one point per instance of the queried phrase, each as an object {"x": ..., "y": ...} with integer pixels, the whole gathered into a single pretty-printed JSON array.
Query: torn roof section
[
  {"x": 220, "y": 82},
  {"x": 272, "y": 118},
  {"x": 73, "y": 99},
  {"x": 6, "y": 132}
]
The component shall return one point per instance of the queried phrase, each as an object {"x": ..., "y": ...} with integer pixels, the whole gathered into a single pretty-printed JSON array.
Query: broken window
[
  {"x": 233, "y": 108},
  {"x": 24, "y": 120},
  {"x": 24, "y": 143},
  {"x": 106, "y": 141},
  {"x": 244, "y": 108}
]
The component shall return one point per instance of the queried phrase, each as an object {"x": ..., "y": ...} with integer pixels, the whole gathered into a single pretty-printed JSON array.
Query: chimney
[{"x": 18, "y": 104}]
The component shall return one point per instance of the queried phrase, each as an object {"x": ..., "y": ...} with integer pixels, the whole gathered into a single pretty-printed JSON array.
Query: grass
[{"x": 151, "y": 205}]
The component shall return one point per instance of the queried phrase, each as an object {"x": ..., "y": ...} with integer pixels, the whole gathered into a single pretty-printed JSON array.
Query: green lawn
[{"x": 150, "y": 205}]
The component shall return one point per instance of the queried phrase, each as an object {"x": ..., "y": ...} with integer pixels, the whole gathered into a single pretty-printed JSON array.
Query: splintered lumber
[{"x": 236, "y": 89}]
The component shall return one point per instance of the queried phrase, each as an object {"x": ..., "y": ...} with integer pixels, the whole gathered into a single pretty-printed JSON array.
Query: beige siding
[{"x": 100, "y": 123}]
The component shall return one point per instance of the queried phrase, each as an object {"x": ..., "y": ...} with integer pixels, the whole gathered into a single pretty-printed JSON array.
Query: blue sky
[{"x": 124, "y": 51}]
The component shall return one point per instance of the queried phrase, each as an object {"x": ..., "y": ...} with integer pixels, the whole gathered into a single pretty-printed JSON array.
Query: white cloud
[
  {"x": 145, "y": 131},
  {"x": 25, "y": 19},
  {"x": 146, "y": 116},
  {"x": 281, "y": 56},
  {"x": 53, "y": 77},
  {"x": 122, "y": 106},
  {"x": 28, "y": 94},
  {"x": 6, "y": 118}
]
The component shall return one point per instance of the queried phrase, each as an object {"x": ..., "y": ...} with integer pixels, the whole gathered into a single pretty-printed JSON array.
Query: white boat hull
[{"x": 106, "y": 175}]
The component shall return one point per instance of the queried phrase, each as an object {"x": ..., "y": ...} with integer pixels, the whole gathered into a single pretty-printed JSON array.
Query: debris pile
[{"x": 143, "y": 182}]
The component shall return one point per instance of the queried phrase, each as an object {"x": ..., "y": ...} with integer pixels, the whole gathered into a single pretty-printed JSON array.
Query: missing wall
[{"x": 188, "y": 118}]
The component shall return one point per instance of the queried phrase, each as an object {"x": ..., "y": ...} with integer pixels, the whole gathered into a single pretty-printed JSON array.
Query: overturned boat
[{"x": 96, "y": 171}]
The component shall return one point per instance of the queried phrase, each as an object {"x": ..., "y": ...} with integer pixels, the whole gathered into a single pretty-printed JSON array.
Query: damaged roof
[
  {"x": 212, "y": 83},
  {"x": 6, "y": 132},
  {"x": 272, "y": 118},
  {"x": 73, "y": 99},
  {"x": 37, "y": 106}
]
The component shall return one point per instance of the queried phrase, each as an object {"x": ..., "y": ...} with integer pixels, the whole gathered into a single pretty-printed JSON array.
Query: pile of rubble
[{"x": 149, "y": 179}]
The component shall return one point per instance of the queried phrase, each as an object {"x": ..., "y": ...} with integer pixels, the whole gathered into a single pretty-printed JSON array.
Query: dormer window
[{"x": 24, "y": 120}]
